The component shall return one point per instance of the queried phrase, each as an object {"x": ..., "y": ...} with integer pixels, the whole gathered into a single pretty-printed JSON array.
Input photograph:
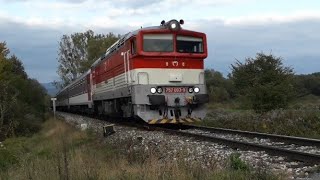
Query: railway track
[
  {"x": 274, "y": 137},
  {"x": 307, "y": 158},
  {"x": 205, "y": 134}
]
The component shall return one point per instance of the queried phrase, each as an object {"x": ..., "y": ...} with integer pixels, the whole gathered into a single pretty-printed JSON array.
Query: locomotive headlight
[
  {"x": 190, "y": 90},
  {"x": 196, "y": 89},
  {"x": 159, "y": 90},
  {"x": 173, "y": 25},
  {"x": 153, "y": 90}
]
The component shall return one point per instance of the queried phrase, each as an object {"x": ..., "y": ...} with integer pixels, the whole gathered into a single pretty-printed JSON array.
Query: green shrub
[
  {"x": 238, "y": 164},
  {"x": 7, "y": 159},
  {"x": 264, "y": 81}
]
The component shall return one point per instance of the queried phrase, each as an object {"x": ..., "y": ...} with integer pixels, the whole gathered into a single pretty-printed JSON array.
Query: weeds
[
  {"x": 60, "y": 151},
  {"x": 290, "y": 122},
  {"x": 7, "y": 159},
  {"x": 237, "y": 164}
]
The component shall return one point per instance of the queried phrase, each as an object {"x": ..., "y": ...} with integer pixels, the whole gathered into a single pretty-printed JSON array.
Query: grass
[
  {"x": 302, "y": 118},
  {"x": 60, "y": 151},
  {"x": 306, "y": 102}
]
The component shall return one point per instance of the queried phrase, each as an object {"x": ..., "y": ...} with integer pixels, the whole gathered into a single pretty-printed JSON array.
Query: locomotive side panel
[{"x": 109, "y": 77}]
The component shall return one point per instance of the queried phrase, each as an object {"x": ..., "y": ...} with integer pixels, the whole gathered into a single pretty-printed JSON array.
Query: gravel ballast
[
  {"x": 208, "y": 154},
  {"x": 261, "y": 141}
]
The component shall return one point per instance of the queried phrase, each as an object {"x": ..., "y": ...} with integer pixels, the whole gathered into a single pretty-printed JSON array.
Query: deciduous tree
[
  {"x": 78, "y": 51},
  {"x": 264, "y": 81},
  {"x": 22, "y": 100},
  {"x": 219, "y": 88}
]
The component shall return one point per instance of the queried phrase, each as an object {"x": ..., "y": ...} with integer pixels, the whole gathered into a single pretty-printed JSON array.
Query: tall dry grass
[{"x": 60, "y": 151}]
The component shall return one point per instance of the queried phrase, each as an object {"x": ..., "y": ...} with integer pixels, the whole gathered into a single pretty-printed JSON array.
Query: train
[{"x": 155, "y": 74}]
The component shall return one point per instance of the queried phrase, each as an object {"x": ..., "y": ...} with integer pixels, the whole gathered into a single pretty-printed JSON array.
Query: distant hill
[{"x": 52, "y": 90}]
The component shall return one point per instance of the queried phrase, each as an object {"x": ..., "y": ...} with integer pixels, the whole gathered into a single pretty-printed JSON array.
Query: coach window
[
  {"x": 189, "y": 44},
  {"x": 158, "y": 42},
  {"x": 133, "y": 47}
]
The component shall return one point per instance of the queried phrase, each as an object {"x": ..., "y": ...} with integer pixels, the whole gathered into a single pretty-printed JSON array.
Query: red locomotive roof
[{"x": 149, "y": 30}]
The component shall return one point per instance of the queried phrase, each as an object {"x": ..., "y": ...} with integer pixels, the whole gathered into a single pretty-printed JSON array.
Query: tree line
[
  {"x": 262, "y": 83},
  {"x": 22, "y": 99}
]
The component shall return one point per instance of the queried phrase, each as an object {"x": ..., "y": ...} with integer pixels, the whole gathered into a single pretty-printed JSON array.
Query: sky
[{"x": 236, "y": 29}]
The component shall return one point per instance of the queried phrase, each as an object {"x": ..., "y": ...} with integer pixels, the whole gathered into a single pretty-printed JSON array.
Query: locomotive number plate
[{"x": 175, "y": 90}]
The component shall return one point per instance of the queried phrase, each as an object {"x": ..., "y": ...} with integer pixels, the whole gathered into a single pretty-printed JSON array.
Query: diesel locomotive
[{"x": 155, "y": 74}]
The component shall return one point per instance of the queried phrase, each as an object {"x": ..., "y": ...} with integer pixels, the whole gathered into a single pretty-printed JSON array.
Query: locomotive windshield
[
  {"x": 158, "y": 42},
  {"x": 188, "y": 44}
]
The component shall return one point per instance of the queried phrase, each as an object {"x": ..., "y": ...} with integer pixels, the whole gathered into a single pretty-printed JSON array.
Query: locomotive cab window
[
  {"x": 133, "y": 47},
  {"x": 188, "y": 44},
  {"x": 158, "y": 42}
]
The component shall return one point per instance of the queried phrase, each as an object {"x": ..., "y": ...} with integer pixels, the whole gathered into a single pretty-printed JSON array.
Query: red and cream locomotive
[{"x": 154, "y": 73}]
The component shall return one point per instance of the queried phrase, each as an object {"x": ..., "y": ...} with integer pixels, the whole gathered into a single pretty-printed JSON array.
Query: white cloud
[
  {"x": 111, "y": 14},
  {"x": 41, "y": 23},
  {"x": 272, "y": 18},
  {"x": 221, "y": 2}
]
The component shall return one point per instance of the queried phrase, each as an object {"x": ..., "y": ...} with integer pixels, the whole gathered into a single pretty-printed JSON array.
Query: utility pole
[{"x": 54, "y": 106}]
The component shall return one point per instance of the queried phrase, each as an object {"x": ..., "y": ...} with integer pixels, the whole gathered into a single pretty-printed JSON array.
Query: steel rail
[
  {"x": 307, "y": 158},
  {"x": 274, "y": 137}
]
